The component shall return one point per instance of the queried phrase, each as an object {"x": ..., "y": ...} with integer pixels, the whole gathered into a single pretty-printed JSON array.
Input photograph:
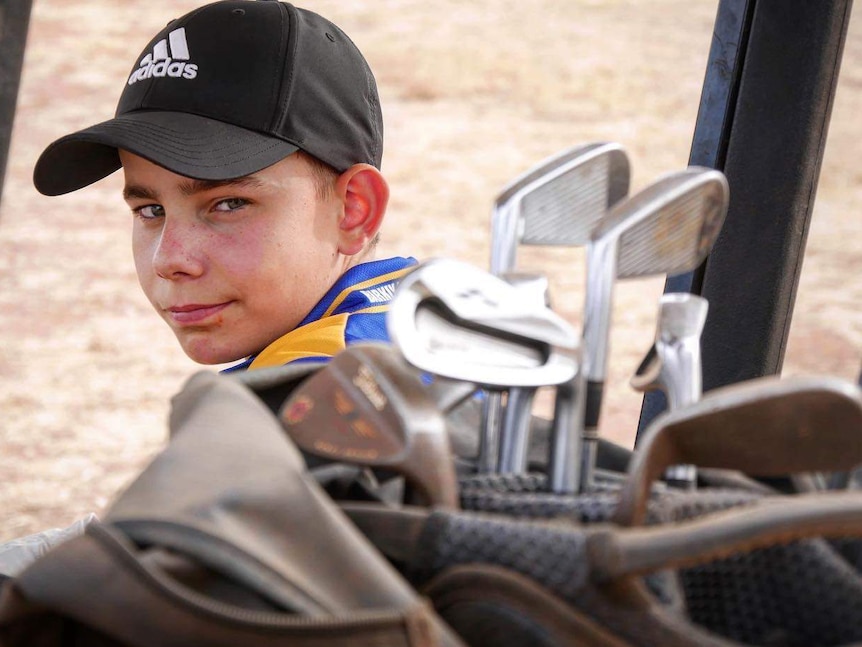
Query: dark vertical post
[
  {"x": 14, "y": 21},
  {"x": 774, "y": 64}
]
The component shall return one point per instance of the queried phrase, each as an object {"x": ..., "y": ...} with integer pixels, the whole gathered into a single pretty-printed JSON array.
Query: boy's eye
[
  {"x": 230, "y": 204},
  {"x": 149, "y": 212}
]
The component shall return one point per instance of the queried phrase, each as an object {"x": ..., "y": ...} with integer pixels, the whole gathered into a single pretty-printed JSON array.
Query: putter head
[
  {"x": 367, "y": 406},
  {"x": 559, "y": 201},
  {"x": 452, "y": 319}
]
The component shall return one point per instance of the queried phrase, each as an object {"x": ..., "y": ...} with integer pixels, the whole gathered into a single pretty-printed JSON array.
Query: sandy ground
[{"x": 473, "y": 94}]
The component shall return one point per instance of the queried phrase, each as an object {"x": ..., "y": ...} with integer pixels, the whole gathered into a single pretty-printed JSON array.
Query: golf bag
[
  {"x": 224, "y": 539},
  {"x": 227, "y": 538}
]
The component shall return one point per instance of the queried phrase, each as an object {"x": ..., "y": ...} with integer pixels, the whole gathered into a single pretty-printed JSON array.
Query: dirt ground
[{"x": 473, "y": 94}]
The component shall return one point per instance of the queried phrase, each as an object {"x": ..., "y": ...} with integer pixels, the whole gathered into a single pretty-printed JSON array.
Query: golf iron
[
  {"x": 667, "y": 228},
  {"x": 557, "y": 202},
  {"x": 516, "y": 421},
  {"x": 454, "y": 320}
]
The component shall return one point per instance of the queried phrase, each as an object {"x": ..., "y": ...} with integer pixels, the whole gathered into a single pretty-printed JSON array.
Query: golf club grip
[{"x": 595, "y": 390}]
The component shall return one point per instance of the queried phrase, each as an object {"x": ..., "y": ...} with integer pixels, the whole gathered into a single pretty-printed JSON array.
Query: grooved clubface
[
  {"x": 670, "y": 227},
  {"x": 559, "y": 201},
  {"x": 667, "y": 228},
  {"x": 565, "y": 210}
]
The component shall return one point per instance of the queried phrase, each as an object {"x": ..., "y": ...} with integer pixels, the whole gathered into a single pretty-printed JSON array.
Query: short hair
[{"x": 325, "y": 177}]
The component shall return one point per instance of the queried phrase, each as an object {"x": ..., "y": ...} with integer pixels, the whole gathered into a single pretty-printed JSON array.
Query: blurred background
[{"x": 473, "y": 94}]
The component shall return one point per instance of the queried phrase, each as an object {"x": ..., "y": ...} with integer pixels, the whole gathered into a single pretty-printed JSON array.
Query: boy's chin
[{"x": 205, "y": 352}]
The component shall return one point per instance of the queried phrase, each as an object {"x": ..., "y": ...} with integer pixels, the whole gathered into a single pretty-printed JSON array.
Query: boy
[{"x": 250, "y": 136}]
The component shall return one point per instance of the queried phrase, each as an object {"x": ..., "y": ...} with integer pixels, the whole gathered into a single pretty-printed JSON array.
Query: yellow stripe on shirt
[{"x": 321, "y": 338}]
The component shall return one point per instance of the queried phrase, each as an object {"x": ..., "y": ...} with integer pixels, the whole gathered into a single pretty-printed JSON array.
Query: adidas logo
[{"x": 168, "y": 58}]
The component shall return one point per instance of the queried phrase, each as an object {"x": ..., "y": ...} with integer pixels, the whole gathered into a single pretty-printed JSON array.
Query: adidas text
[
  {"x": 176, "y": 69},
  {"x": 169, "y": 58}
]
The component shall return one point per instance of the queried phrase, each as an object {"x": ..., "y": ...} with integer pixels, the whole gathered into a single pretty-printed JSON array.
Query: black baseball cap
[{"x": 227, "y": 90}]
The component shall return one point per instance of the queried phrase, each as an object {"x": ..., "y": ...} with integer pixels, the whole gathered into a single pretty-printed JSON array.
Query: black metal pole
[
  {"x": 14, "y": 21},
  {"x": 764, "y": 116}
]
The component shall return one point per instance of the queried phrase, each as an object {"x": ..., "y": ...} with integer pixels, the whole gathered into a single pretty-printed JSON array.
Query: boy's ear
[{"x": 365, "y": 194}]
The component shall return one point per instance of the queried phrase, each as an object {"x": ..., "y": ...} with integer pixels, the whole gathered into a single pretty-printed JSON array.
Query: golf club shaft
[
  {"x": 514, "y": 441},
  {"x": 566, "y": 450},
  {"x": 489, "y": 436}
]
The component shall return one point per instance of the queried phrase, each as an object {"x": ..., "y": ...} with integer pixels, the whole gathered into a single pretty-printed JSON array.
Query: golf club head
[
  {"x": 681, "y": 320},
  {"x": 532, "y": 285},
  {"x": 765, "y": 427},
  {"x": 673, "y": 362},
  {"x": 452, "y": 319},
  {"x": 558, "y": 201},
  {"x": 367, "y": 406}
]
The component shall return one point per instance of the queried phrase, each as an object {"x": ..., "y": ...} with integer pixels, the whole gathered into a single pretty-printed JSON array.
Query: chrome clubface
[
  {"x": 668, "y": 228},
  {"x": 558, "y": 202}
]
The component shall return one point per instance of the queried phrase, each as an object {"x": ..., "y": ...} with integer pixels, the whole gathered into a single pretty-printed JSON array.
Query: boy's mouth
[{"x": 194, "y": 313}]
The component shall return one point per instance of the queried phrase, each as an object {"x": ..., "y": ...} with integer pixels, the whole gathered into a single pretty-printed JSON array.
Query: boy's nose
[{"x": 178, "y": 253}]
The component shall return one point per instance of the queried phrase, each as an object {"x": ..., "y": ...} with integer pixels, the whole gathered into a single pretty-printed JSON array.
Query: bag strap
[{"x": 765, "y": 427}]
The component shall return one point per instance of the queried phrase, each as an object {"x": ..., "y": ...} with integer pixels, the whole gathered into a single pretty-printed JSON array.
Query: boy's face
[{"x": 232, "y": 266}]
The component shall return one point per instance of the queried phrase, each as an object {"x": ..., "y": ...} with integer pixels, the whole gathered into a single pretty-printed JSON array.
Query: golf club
[
  {"x": 557, "y": 203},
  {"x": 367, "y": 406},
  {"x": 763, "y": 427},
  {"x": 674, "y": 364},
  {"x": 516, "y": 420},
  {"x": 667, "y": 228}
]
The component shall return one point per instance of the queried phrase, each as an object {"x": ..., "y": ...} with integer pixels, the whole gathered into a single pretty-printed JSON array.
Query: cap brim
[{"x": 189, "y": 145}]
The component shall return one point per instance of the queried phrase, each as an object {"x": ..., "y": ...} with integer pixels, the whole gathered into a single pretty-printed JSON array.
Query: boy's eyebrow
[
  {"x": 137, "y": 192},
  {"x": 191, "y": 187}
]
